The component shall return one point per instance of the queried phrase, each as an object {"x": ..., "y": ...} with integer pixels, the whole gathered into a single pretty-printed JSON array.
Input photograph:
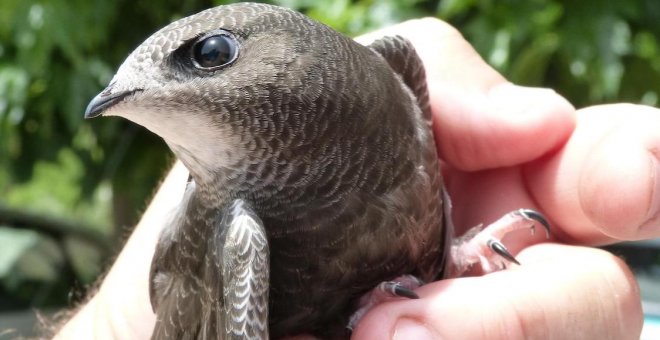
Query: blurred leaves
[
  {"x": 15, "y": 244},
  {"x": 29, "y": 262},
  {"x": 57, "y": 170},
  {"x": 355, "y": 17},
  {"x": 590, "y": 51},
  {"x": 71, "y": 185}
]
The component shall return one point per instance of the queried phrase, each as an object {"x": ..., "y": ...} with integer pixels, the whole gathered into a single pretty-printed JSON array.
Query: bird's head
[{"x": 224, "y": 82}]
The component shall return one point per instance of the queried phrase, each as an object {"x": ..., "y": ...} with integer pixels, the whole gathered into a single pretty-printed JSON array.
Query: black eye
[{"x": 214, "y": 51}]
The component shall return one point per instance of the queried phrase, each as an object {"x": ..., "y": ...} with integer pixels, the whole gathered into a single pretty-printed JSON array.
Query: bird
[{"x": 314, "y": 175}]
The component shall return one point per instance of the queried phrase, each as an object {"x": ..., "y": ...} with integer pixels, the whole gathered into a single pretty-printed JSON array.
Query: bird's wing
[
  {"x": 402, "y": 58},
  {"x": 176, "y": 295},
  {"x": 216, "y": 284},
  {"x": 245, "y": 263},
  {"x": 400, "y": 54}
]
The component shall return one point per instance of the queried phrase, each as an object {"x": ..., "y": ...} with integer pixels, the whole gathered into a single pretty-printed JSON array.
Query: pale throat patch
[{"x": 204, "y": 144}]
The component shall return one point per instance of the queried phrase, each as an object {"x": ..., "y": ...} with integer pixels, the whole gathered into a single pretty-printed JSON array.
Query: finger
[
  {"x": 604, "y": 186},
  {"x": 480, "y": 120},
  {"x": 560, "y": 292}
]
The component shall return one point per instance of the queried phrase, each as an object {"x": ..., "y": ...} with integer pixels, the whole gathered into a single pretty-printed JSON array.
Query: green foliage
[
  {"x": 55, "y": 55},
  {"x": 355, "y": 17},
  {"x": 590, "y": 51}
]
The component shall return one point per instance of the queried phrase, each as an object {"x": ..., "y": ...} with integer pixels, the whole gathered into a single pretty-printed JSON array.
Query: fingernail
[
  {"x": 406, "y": 329},
  {"x": 652, "y": 217}
]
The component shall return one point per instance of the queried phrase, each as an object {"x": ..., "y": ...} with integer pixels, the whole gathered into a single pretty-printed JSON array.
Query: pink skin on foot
[{"x": 477, "y": 245}]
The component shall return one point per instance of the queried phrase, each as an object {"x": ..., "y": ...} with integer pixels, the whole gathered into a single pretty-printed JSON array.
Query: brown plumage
[{"x": 310, "y": 155}]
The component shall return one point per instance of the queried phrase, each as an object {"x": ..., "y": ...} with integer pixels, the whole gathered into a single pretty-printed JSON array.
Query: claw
[
  {"x": 401, "y": 286},
  {"x": 483, "y": 246},
  {"x": 397, "y": 289},
  {"x": 534, "y": 215},
  {"x": 402, "y": 291},
  {"x": 501, "y": 250}
]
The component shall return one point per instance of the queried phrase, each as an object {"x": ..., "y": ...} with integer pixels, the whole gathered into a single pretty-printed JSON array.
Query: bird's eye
[{"x": 214, "y": 51}]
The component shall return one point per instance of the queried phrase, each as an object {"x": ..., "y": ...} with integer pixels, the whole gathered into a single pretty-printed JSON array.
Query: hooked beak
[{"x": 103, "y": 101}]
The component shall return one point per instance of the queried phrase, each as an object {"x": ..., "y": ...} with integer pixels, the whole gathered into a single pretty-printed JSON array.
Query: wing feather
[
  {"x": 245, "y": 274},
  {"x": 400, "y": 54}
]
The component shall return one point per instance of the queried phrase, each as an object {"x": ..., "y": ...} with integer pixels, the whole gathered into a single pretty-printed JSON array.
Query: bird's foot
[
  {"x": 400, "y": 287},
  {"x": 482, "y": 246}
]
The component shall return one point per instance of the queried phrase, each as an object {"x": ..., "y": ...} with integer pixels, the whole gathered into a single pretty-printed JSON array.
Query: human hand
[{"x": 504, "y": 147}]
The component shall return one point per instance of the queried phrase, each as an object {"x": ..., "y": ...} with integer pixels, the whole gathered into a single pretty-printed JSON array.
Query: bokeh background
[{"x": 71, "y": 190}]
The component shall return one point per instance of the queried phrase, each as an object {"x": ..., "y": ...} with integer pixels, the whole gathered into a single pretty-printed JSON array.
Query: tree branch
[{"x": 53, "y": 226}]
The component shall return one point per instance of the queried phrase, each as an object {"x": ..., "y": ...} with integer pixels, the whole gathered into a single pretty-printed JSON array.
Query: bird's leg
[
  {"x": 482, "y": 245},
  {"x": 400, "y": 287}
]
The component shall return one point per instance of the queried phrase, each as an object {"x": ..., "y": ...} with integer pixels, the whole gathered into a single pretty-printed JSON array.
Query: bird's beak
[{"x": 103, "y": 101}]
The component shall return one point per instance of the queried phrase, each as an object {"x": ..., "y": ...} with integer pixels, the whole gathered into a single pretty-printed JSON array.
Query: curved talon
[
  {"x": 531, "y": 214},
  {"x": 397, "y": 289},
  {"x": 402, "y": 291},
  {"x": 501, "y": 250}
]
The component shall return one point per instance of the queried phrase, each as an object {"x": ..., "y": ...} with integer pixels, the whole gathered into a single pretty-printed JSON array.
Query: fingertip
[
  {"x": 603, "y": 186},
  {"x": 505, "y": 126},
  {"x": 618, "y": 186}
]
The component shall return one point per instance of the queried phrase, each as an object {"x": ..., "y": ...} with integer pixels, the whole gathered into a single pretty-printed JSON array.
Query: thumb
[{"x": 559, "y": 292}]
